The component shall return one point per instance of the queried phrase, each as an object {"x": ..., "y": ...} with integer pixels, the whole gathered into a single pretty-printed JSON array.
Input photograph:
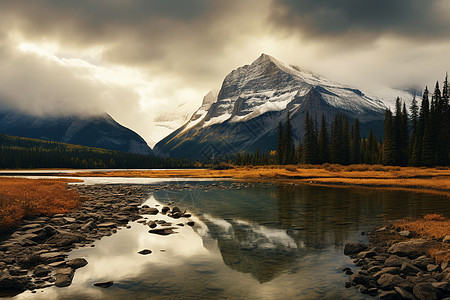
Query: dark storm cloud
[
  {"x": 370, "y": 18},
  {"x": 132, "y": 32}
]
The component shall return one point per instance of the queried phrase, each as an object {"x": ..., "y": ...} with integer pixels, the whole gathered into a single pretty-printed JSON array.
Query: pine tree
[
  {"x": 372, "y": 148},
  {"x": 439, "y": 125},
  {"x": 336, "y": 138},
  {"x": 404, "y": 137},
  {"x": 280, "y": 144},
  {"x": 445, "y": 123},
  {"x": 311, "y": 149},
  {"x": 324, "y": 152},
  {"x": 289, "y": 147},
  {"x": 355, "y": 144},
  {"x": 389, "y": 145},
  {"x": 414, "y": 124},
  {"x": 346, "y": 142}
]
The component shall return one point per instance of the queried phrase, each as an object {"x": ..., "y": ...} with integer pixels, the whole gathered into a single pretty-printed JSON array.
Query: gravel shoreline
[{"x": 393, "y": 265}]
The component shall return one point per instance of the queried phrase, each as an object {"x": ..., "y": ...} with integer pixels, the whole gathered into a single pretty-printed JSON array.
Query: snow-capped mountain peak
[{"x": 261, "y": 94}]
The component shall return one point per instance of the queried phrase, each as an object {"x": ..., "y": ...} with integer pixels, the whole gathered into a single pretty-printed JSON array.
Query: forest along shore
[
  {"x": 434, "y": 180},
  {"x": 33, "y": 255},
  {"x": 407, "y": 259}
]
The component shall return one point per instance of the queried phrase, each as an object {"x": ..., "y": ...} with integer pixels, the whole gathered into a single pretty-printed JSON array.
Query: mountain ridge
[
  {"x": 99, "y": 131},
  {"x": 254, "y": 98}
]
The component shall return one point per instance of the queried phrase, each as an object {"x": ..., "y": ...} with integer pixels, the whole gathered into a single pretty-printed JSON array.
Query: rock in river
[
  {"x": 104, "y": 284},
  {"x": 77, "y": 263},
  {"x": 354, "y": 248},
  {"x": 162, "y": 231}
]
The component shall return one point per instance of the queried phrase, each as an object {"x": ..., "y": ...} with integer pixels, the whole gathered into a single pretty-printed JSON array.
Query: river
[{"x": 256, "y": 241}]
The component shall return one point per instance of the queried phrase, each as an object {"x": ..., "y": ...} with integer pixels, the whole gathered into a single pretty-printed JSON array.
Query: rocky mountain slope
[
  {"x": 100, "y": 131},
  {"x": 252, "y": 101}
]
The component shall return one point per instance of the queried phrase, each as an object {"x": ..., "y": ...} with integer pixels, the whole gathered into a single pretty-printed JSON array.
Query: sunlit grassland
[
  {"x": 425, "y": 179},
  {"x": 25, "y": 198}
]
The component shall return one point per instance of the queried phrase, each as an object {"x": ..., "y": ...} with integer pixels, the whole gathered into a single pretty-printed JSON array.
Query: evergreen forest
[
  {"x": 19, "y": 152},
  {"x": 417, "y": 138}
]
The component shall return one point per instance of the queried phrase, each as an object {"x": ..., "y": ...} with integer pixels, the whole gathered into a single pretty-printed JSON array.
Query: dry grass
[
  {"x": 425, "y": 179},
  {"x": 23, "y": 198},
  {"x": 433, "y": 226}
]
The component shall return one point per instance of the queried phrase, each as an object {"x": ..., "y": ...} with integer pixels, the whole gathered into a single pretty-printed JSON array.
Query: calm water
[{"x": 263, "y": 242}]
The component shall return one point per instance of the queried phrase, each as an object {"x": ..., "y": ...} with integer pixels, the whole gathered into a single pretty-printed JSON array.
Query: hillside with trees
[{"x": 18, "y": 152}]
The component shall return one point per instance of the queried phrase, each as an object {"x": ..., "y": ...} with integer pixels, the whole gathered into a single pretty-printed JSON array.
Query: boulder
[
  {"x": 366, "y": 254},
  {"x": 165, "y": 209},
  {"x": 64, "y": 277},
  {"x": 404, "y": 294},
  {"x": 145, "y": 252},
  {"x": 395, "y": 261},
  {"x": 387, "y": 270},
  {"x": 150, "y": 211},
  {"x": 50, "y": 230},
  {"x": 425, "y": 291},
  {"x": 412, "y": 248},
  {"x": 76, "y": 263},
  {"x": 64, "y": 238},
  {"x": 51, "y": 257},
  {"x": 422, "y": 262},
  {"x": 409, "y": 269},
  {"x": 359, "y": 278},
  {"x": 389, "y": 281},
  {"x": 354, "y": 248},
  {"x": 12, "y": 283},
  {"x": 41, "y": 271}
]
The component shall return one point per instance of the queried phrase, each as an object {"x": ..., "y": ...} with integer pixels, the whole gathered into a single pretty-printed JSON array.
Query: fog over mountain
[{"x": 148, "y": 63}]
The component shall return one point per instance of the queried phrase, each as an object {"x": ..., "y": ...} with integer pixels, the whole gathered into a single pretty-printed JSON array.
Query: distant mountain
[
  {"x": 255, "y": 98},
  {"x": 100, "y": 131}
]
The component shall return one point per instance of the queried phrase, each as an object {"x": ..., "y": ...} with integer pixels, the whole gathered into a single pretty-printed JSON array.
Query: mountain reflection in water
[
  {"x": 263, "y": 229},
  {"x": 264, "y": 241}
]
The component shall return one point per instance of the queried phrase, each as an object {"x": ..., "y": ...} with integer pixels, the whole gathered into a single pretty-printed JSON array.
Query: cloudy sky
[{"x": 149, "y": 63}]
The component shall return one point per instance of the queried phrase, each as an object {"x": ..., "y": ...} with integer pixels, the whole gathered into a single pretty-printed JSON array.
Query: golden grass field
[
  {"x": 433, "y": 226},
  {"x": 23, "y": 198},
  {"x": 436, "y": 180}
]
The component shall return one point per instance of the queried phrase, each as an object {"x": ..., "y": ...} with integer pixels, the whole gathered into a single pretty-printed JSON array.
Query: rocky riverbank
[
  {"x": 393, "y": 265},
  {"x": 35, "y": 255}
]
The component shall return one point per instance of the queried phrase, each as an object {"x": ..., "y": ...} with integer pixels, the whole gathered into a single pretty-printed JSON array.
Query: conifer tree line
[
  {"x": 340, "y": 144},
  {"x": 20, "y": 152},
  {"x": 418, "y": 138}
]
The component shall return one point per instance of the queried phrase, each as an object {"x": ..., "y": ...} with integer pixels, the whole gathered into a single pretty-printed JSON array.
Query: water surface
[{"x": 265, "y": 241}]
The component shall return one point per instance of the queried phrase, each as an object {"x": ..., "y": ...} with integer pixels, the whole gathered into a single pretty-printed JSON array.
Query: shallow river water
[{"x": 266, "y": 241}]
